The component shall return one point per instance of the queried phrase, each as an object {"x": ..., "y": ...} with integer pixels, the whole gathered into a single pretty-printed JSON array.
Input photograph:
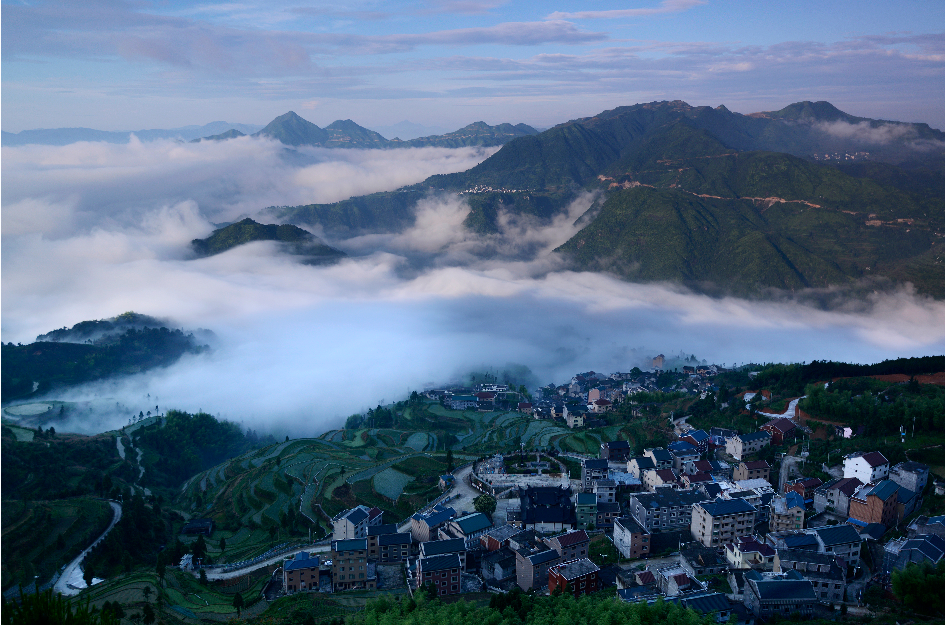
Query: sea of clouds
[{"x": 92, "y": 230}]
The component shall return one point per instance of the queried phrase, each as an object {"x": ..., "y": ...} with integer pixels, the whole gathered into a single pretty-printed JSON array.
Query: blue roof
[
  {"x": 800, "y": 541},
  {"x": 727, "y": 506},
  {"x": 301, "y": 561},
  {"x": 884, "y": 490},
  {"x": 794, "y": 500},
  {"x": 857, "y": 522},
  {"x": 682, "y": 446}
]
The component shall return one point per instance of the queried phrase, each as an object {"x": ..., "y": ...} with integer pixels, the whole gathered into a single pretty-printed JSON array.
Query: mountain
[
  {"x": 807, "y": 196},
  {"x": 65, "y": 136},
  {"x": 232, "y": 133},
  {"x": 297, "y": 240},
  {"x": 407, "y": 130},
  {"x": 292, "y": 130}
]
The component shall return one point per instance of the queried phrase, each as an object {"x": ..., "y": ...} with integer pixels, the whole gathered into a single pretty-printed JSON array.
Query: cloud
[
  {"x": 90, "y": 231},
  {"x": 878, "y": 134},
  {"x": 666, "y": 6}
]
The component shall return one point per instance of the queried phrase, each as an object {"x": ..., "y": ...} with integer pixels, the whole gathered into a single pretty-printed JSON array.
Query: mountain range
[
  {"x": 65, "y": 136},
  {"x": 296, "y": 240},
  {"x": 807, "y": 196}
]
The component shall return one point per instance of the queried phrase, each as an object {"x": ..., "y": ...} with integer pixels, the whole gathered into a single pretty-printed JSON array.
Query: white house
[{"x": 868, "y": 467}]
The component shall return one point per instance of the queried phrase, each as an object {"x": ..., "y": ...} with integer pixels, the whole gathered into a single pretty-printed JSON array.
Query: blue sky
[{"x": 122, "y": 65}]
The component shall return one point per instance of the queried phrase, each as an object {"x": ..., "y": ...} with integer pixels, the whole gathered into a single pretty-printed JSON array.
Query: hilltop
[
  {"x": 297, "y": 240},
  {"x": 807, "y": 196}
]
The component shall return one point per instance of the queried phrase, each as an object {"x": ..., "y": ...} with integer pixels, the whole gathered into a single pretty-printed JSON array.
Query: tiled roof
[
  {"x": 846, "y": 485},
  {"x": 875, "y": 459},
  {"x": 838, "y": 534},
  {"x": 472, "y": 523},
  {"x": 353, "y": 544},
  {"x": 618, "y": 445},
  {"x": 394, "y": 539},
  {"x": 646, "y": 577},
  {"x": 503, "y": 532},
  {"x": 572, "y": 538},
  {"x": 573, "y": 569},
  {"x": 756, "y": 464},
  {"x": 774, "y": 590},
  {"x": 438, "y": 547},
  {"x": 782, "y": 425},
  {"x": 884, "y": 490},
  {"x": 697, "y": 435},
  {"x": 721, "y": 507},
  {"x": 595, "y": 463},
  {"x": 354, "y": 515},
  {"x": 380, "y": 530},
  {"x": 753, "y": 436},
  {"x": 682, "y": 448},
  {"x": 301, "y": 561},
  {"x": 800, "y": 541},
  {"x": 439, "y": 563},
  {"x": 543, "y": 556},
  {"x": 661, "y": 455},
  {"x": 644, "y": 462}
]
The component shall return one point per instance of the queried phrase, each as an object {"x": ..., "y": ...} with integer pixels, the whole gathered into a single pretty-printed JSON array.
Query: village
[{"x": 722, "y": 521}]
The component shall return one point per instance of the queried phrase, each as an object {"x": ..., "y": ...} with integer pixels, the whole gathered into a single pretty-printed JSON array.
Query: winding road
[{"x": 71, "y": 577}]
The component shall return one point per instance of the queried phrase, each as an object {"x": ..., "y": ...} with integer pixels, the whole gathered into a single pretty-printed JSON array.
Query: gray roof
[
  {"x": 437, "y": 547},
  {"x": 353, "y": 544},
  {"x": 631, "y": 525},
  {"x": 472, "y": 523},
  {"x": 355, "y": 515},
  {"x": 643, "y": 462},
  {"x": 595, "y": 463},
  {"x": 543, "y": 556},
  {"x": 753, "y": 436},
  {"x": 572, "y": 569},
  {"x": 721, "y": 507},
  {"x": 503, "y": 532},
  {"x": 668, "y": 497},
  {"x": 387, "y": 540},
  {"x": 439, "y": 563},
  {"x": 838, "y": 535},
  {"x": 791, "y": 589}
]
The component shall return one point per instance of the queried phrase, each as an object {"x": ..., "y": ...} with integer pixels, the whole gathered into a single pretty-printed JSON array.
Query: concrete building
[
  {"x": 350, "y": 568},
  {"x": 498, "y": 537},
  {"x": 747, "y": 552},
  {"x": 659, "y": 478},
  {"x": 661, "y": 458},
  {"x": 546, "y": 508},
  {"x": 616, "y": 451},
  {"x": 755, "y": 469},
  {"x": 866, "y": 467},
  {"x": 468, "y": 527},
  {"x": 443, "y": 547},
  {"x": 666, "y": 509},
  {"x": 570, "y": 545},
  {"x": 784, "y": 595},
  {"x": 300, "y": 573},
  {"x": 745, "y": 444},
  {"x": 394, "y": 547},
  {"x": 354, "y": 523},
  {"x": 444, "y": 572},
  {"x": 834, "y": 496},
  {"x": 592, "y": 469},
  {"x": 631, "y": 539},
  {"x": 425, "y": 527},
  {"x": 786, "y": 513},
  {"x": 577, "y": 577},
  {"x": 637, "y": 466},
  {"x": 499, "y": 565},
  {"x": 683, "y": 452},
  {"x": 911, "y": 475},
  {"x": 585, "y": 510},
  {"x": 898, "y": 554},
  {"x": 781, "y": 430},
  {"x": 715, "y": 523},
  {"x": 533, "y": 558},
  {"x": 605, "y": 490},
  {"x": 826, "y": 572},
  {"x": 698, "y": 561}
]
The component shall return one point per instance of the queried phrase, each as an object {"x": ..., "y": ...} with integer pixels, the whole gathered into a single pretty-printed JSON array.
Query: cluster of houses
[{"x": 728, "y": 541}]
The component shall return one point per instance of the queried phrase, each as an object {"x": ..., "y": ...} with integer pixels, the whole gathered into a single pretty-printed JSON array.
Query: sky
[{"x": 133, "y": 64}]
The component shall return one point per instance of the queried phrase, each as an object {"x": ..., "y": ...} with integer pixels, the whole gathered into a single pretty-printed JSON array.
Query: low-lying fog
[{"x": 93, "y": 230}]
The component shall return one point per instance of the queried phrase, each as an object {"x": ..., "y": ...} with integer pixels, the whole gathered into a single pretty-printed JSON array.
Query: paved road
[
  {"x": 73, "y": 571},
  {"x": 214, "y": 575},
  {"x": 790, "y": 413}
]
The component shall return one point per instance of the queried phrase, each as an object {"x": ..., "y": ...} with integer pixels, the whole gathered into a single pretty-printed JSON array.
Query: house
[
  {"x": 827, "y": 572},
  {"x": 444, "y": 572},
  {"x": 744, "y": 444},
  {"x": 574, "y": 419},
  {"x": 446, "y": 482},
  {"x": 350, "y": 568},
  {"x": 695, "y": 479},
  {"x": 600, "y": 406},
  {"x": 546, "y": 508},
  {"x": 898, "y": 554},
  {"x": 533, "y": 558},
  {"x": 525, "y": 407},
  {"x": 376, "y": 531},
  {"x": 866, "y": 467},
  {"x": 498, "y": 537},
  {"x": 631, "y": 539},
  {"x": 805, "y": 487},
  {"x": 463, "y": 402},
  {"x": 715, "y": 523},
  {"x": 698, "y": 561},
  {"x": 755, "y": 469},
  {"x": 698, "y": 439},
  {"x": 585, "y": 510},
  {"x": 747, "y": 552},
  {"x": 486, "y": 400},
  {"x": 394, "y": 547},
  {"x": 570, "y": 545},
  {"x": 425, "y": 527},
  {"x": 840, "y": 540},
  {"x": 664, "y": 510},
  {"x": 592, "y": 469},
  {"x": 876, "y": 503},
  {"x": 673, "y": 580},
  {"x": 780, "y": 430},
  {"x": 354, "y": 523},
  {"x": 300, "y": 572},
  {"x": 606, "y": 491},
  {"x": 617, "y": 451},
  {"x": 683, "y": 452},
  {"x": 786, "y": 513},
  {"x": 637, "y": 466},
  {"x": 469, "y": 527},
  {"x": 911, "y": 475},
  {"x": 835, "y": 495},
  {"x": 654, "y": 479},
  {"x": 927, "y": 525},
  {"x": 455, "y": 546},
  {"x": 906, "y": 502},
  {"x": 661, "y": 458},
  {"x": 606, "y": 514},
  {"x": 498, "y": 565},
  {"x": 784, "y": 596},
  {"x": 577, "y": 577}
]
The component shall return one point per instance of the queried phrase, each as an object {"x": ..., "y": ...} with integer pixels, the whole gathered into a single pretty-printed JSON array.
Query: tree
[
  {"x": 146, "y": 591},
  {"x": 88, "y": 575},
  {"x": 485, "y": 503},
  {"x": 160, "y": 568},
  {"x": 449, "y": 460},
  {"x": 222, "y": 545},
  {"x": 148, "y": 613},
  {"x": 200, "y": 548},
  {"x": 203, "y": 577},
  {"x": 238, "y": 603}
]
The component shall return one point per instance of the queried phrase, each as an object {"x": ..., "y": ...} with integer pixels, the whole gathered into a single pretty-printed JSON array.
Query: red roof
[
  {"x": 667, "y": 475},
  {"x": 757, "y": 464},
  {"x": 646, "y": 577},
  {"x": 781, "y": 425},
  {"x": 486, "y": 395},
  {"x": 699, "y": 477},
  {"x": 704, "y": 466},
  {"x": 682, "y": 580},
  {"x": 603, "y": 402},
  {"x": 572, "y": 538},
  {"x": 875, "y": 459},
  {"x": 374, "y": 513}
]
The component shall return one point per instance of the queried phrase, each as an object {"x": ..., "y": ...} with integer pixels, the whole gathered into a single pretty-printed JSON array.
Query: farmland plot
[{"x": 391, "y": 483}]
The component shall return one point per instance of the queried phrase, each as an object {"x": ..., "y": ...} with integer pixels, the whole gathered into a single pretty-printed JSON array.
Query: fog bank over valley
[{"x": 92, "y": 230}]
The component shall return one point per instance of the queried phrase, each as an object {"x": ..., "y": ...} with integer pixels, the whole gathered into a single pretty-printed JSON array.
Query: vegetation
[
  {"x": 47, "y": 608},
  {"x": 919, "y": 587},
  {"x": 299, "y": 241}
]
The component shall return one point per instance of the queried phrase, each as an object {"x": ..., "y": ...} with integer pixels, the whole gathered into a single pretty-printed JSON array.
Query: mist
[{"x": 93, "y": 230}]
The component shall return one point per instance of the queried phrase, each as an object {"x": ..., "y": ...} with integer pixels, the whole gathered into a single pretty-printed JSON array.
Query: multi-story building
[
  {"x": 374, "y": 532},
  {"x": 664, "y": 510},
  {"x": 805, "y": 487},
  {"x": 394, "y": 547},
  {"x": 443, "y": 547},
  {"x": 683, "y": 452},
  {"x": 300, "y": 573},
  {"x": 570, "y": 545},
  {"x": 444, "y": 572},
  {"x": 899, "y": 553},
  {"x": 354, "y": 523},
  {"x": 715, "y": 523},
  {"x": 577, "y": 577},
  {"x": 826, "y": 572},
  {"x": 350, "y": 568},
  {"x": 592, "y": 469},
  {"x": 780, "y": 430},
  {"x": 754, "y": 469},
  {"x": 876, "y": 503},
  {"x": 835, "y": 495},
  {"x": 498, "y": 565},
  {"x": 840, "y": 540},
  {"x": 469, "y": 527},
  {"x": 585, "y": 510},
  {"x": 533, "y": 558},
  {"x": 868, "y": 467},
  {"x": 425, "y": 527},
  {"x": 606, "y": 514},
  {"x": 786, "y": 513},
  {"x": 698, "y": 561},
  {"x": 658, "y": 478},
  {"x": 747, "y": 552},
  {"x": 698, "y": 439},
  {"x": 606, "y": 490},
  {"x": 498, "y": 537},
  {"x": 742, "y": 445},
  {"x": 784, "y": 595},
  {"x": 631, "y": 539},
  {"x": 911, "y": 475},
  {"x": 637, "y": 466},
  {"x": 546, "y": 508},
  {"x": 661, "y": 458}
]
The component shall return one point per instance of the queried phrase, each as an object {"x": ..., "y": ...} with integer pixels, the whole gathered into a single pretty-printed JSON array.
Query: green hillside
[
  {"x": 378, "y": 212},
  {"x": 298, "y": 241},
  {"x": 291, "y": 129},
  {"x": 477, "y": 133}
]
